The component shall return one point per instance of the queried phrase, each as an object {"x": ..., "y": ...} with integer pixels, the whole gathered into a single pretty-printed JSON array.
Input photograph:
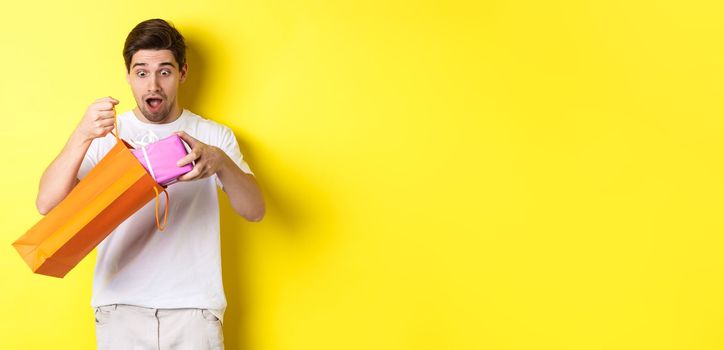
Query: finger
[
  {"x": 186, "y": 137},
  {"x": 106, "y": 114},
  {"x": 104, "y": 123},
  {"x": 192, "y": 156},
  {"x": 105, "y": 106},
  {"x": 101, "y": 132},
  {"x": 105, "y": 130},
  {"x": 108, "y": 99},
  {"x": 202, "y": 174},
  {"x": 191, "y": 175}
]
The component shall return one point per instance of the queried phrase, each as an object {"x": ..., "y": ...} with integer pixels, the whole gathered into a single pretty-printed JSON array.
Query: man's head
[{"x": 155, "y": 57}]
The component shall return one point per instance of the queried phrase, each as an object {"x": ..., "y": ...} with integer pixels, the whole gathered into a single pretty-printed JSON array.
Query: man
[{"x": 151, "y": 289}]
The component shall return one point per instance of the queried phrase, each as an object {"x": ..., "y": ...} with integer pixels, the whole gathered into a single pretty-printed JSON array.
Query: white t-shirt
[{"x": 181, "y": 266}]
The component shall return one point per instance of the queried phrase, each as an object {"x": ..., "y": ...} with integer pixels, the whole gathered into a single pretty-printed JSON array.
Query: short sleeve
[
  {"x": 90, "y": 160},
  {"x": 230, "y": 146}
]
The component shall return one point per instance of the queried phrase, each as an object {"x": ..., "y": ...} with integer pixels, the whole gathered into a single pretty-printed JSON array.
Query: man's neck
[{"x": 174, "y": 114}]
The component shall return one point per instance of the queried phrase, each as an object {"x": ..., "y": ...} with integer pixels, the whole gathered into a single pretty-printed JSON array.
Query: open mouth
[{"x": 154, "y": 103}]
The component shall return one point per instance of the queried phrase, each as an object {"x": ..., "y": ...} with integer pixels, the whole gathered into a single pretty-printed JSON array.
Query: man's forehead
[{"x": 153, "y": 57}]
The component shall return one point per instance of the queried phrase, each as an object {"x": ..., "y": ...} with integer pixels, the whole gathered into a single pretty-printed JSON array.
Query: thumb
[{"x": 186, "y": 137}]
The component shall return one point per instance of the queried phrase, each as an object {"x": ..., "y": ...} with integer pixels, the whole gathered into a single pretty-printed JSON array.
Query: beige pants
[{"x": 137, "y": 328}]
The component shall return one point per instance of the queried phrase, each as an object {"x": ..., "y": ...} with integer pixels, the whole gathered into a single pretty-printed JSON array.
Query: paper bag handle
[
  {"x": 165, "y": 212},
  {"x": 115, "y": 127}
]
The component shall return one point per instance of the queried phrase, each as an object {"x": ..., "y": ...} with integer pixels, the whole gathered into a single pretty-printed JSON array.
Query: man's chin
[{"x": 154, "y": 117}]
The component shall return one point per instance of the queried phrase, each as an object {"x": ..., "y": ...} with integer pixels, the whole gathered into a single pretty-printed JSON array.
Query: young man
[{"x": 159, "y": 290}]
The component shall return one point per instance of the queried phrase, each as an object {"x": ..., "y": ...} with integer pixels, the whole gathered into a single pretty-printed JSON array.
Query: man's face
[{"x": 154, "y": 78}]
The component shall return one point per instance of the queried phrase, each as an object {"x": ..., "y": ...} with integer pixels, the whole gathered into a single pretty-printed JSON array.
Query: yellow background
[{"x": 439, "y": 175}]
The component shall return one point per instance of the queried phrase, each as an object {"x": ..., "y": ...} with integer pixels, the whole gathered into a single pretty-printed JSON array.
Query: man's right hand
[
  {"x": 98, "y": 119},
  {"x": 61, "y": 175}
]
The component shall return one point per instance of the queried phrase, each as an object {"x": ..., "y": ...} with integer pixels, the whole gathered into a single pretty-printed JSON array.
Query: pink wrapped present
[{"x": 159, "y": 159}]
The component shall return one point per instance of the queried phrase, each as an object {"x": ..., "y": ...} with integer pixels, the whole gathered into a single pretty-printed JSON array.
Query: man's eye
[
  {"x": 141, "y": 74},
  {"x": 165, "y": 72}
]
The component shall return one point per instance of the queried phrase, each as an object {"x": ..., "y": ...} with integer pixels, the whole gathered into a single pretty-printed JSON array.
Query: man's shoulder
[
  {"x": 208, "y": 131},
  {"x": 204, "y": 123}
]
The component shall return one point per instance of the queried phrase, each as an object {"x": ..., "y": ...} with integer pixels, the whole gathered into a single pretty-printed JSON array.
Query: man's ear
[
  {"x": 128, "y": 77},
  {"x": 184, "y": 71}
]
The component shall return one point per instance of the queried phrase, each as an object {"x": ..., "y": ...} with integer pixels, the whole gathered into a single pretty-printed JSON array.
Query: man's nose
[{"x": 153, "y": 83}]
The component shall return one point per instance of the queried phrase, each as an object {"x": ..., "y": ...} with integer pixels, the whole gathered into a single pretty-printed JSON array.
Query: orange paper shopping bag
[{"x": 111, "y": 192}]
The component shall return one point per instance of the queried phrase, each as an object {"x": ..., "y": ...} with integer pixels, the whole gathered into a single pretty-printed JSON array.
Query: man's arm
[
  {"x": 242, "y": 189},
  {"x": 61, "y": 175}
]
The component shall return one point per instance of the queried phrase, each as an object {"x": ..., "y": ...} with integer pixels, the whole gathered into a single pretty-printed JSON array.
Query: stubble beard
[{"x": 160, "y": 115}]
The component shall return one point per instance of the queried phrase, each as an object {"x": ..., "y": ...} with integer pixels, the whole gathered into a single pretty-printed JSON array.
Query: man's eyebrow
[{"x": 160, "y": 65}]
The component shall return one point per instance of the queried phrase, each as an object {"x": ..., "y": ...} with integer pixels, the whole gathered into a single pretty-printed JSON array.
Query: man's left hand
[{"x": 209, "y": 159}]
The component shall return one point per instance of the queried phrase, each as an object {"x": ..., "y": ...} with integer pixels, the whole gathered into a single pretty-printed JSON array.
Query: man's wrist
[
  {"x": 226, "y": 162},
  {"x": 77, "y": 140}
]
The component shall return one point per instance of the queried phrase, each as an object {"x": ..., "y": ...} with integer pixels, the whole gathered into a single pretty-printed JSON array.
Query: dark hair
[{"x": 154, "y": 34}]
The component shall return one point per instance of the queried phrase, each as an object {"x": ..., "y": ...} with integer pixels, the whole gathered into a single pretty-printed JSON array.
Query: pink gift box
[{"x": 159, "y": 159}]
